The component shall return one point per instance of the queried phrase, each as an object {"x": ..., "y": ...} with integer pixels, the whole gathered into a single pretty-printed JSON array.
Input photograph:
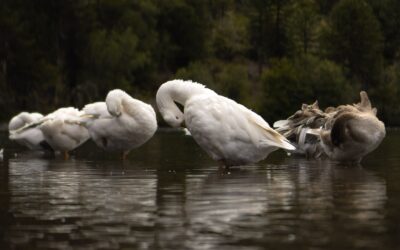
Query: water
[{"x": 170, "y": 195}]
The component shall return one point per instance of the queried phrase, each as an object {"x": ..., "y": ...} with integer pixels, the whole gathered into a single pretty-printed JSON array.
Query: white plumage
[
  {"x": 121, "y": 123},
  {"x": 63, "y": 130},
  {"x": 229, "y": 132},
  {"x": 23, "y": 131}
]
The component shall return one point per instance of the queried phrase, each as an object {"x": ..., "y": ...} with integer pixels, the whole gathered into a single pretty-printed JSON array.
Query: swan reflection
[
  {"x": 111, "y": 204},
  {"x": 57, "y": 204}
]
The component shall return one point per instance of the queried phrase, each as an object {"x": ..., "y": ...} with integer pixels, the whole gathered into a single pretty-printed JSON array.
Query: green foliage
[
  {"x": 387, "y": 95},
  {"x": 198, "y": 72},
  {"x": 267, "y": 29},
  {"x": 354, "y": 40},
  {"x": 63, "y": 53},
  {"x": 114, "y": 57},
  {"x": 233, "y": 81},
  {"x": 288, "y": 84},
  {"x": 230, "y": 36},
  {"x": 229, "y": 79},
  {"x": 388, "y": 14},
  {"x": 184, "y": 32},
  {"x": 302, "y": 28}
]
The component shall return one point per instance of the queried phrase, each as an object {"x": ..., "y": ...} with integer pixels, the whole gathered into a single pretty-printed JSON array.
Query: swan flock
[{"x": 227, "y": 131}]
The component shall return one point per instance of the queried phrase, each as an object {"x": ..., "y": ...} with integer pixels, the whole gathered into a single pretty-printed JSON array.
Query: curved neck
[
  {"x": 179, "y": 91},
  {"x": 114, "y": 101}
]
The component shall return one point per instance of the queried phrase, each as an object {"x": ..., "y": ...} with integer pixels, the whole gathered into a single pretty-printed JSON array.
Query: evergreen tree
[{"x": 354, "y": 40}]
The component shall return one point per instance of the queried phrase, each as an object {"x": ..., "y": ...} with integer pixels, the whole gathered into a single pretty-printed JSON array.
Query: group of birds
[{"x": 229, "y": 132}]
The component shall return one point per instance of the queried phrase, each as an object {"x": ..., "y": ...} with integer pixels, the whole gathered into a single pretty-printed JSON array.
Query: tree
[
  {"x": 230, "y": 37},
  {"x": 267, "y": 29},
  {"x": 302, "y": 27},
  {"x": 388, "y": 14},
  {"x": 354, "y": 39},
  {"x": 289, "y": 83},
  {"x": 184, "y": 33}
]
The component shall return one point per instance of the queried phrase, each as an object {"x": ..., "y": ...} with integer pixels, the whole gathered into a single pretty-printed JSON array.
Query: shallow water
[{"x": 170, "y": 195}]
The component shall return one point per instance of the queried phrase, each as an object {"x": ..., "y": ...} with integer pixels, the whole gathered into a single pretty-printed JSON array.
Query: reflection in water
[
  {"x": 58, "y": 204},
  {"x": 307, "y": 203},
  {"x": 189, "y": 204}
]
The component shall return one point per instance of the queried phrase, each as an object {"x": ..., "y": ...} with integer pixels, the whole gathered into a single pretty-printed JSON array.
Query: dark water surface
[{"x": 170, "y": 195}]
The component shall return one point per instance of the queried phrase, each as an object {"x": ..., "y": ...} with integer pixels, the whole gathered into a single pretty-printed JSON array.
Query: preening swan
[
  {"x": 345, "y": 133},
  {"x": 229, "y": 132},
  {"x": 63, "y": 130},
  {"x": 121, "y": 123},
  {"x": 23, "y": 131}
]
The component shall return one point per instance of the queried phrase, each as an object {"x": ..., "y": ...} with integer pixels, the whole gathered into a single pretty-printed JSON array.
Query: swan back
[
  {"x": 63, "y": 129},
  {"x": 121, "y": 122},
  {"x": 345, "y": 133},
  {"x": 24, "y": 130},
  {"x": 354, "y": 131},
  {"x": 23, "y": 119},
  {"x": 94, "y": 111}
]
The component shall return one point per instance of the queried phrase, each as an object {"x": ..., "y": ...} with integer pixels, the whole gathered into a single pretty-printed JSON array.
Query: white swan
[
  {"x": 121, "y": 123},
  {"x": 23, "y": 130},
  {"x": 63, "y": 130},
  {"x": 229, "y": 132}
]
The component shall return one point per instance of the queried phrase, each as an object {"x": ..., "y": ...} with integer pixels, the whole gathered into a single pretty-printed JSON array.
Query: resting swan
[
  {"x": 121, "y": 123},
  {"x": 26, "y": 135},
  {"x": 63, "y": 130},
  {"x": 345, "y": 133},
  {"x": 229, "y": 132}
]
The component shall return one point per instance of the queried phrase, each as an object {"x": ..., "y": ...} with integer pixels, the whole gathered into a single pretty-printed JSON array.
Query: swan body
[
  {"x": 63, "y": 130},
  {"x": 121, "y": 123},
  {"x": 26, "y": 135},
  {"x": 345, "y": 133},
  {"x": 229, "y": 132}
]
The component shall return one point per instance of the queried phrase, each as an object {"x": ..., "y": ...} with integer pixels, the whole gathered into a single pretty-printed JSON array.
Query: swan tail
[{"x": 273, "y": 138}]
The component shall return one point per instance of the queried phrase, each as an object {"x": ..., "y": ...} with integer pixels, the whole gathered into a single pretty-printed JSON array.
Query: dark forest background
[{"x": 271, "y": 55}]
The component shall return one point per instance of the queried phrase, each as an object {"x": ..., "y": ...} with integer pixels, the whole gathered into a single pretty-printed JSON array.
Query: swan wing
[
  {"x": 28, "y": 126},
  {"x": 96, "y": 110},
  {"x": 219, "y": 117},
  {"x": 269, "y": 137}
]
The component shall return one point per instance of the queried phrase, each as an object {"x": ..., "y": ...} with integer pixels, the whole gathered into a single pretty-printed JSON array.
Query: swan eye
[{"x": 177, "y": 117}]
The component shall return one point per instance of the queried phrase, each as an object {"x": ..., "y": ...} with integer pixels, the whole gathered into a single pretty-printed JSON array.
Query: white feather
[
  {"x": 62, "y": 129},
  {"x": 226, "y": 130},
  {"x": 121, "y": 123},
  {"x": 24, "y": 130}
]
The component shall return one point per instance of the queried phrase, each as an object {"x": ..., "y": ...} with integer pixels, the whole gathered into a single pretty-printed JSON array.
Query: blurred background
[{"x": 270, "y": 55}]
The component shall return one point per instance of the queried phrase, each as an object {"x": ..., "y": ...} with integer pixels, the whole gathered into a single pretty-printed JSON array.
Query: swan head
[
  {"x": 114, "y": 101},
  {"x": 173, "y": 117},
  {"x": 114, "y": 109},
  {"x": 171, "y": 93}
]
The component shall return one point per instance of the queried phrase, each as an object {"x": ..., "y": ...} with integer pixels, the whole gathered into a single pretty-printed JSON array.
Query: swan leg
[
  {"x": 124, "y": 155},
  {"x": 222, "y": 166},
  {"x": 66, "y": 155}
]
